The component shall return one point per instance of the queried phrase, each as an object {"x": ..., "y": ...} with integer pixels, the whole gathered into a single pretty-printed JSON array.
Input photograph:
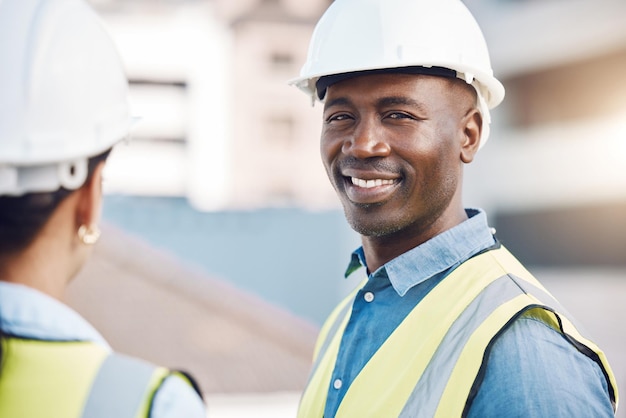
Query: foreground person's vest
[
  {"x": 74, "y": 380},
  {"x": 433, "y": 362}
]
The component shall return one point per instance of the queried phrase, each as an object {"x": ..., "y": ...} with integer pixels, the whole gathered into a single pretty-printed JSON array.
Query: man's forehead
[{"x": 403, "y": 88}]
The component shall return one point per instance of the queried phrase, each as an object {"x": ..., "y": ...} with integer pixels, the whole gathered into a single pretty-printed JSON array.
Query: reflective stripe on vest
[
  {"x": 122, "y": 388},
  {"x": 73, "y": 380},
  {"x": 428, "y": 368}
]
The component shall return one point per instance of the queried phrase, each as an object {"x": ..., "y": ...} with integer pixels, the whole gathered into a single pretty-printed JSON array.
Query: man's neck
[{"x": 380, "y": 250}]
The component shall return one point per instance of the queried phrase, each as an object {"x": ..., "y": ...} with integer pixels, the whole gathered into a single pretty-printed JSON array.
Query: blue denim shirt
[
  {"x": 531, "y": 372},
  {"x": 29, "y": 313}
]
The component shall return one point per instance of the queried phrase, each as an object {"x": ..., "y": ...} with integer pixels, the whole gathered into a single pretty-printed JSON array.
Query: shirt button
[
  {"x": 369, "y": 296},
  {"x": 337, "y": 384}
]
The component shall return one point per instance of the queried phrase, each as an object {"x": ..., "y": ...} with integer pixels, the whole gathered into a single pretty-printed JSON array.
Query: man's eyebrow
[
  {"x": 399, "y": 100},
  {"x": 383, "y": 102},
  {"x": 339, "y": 101}
]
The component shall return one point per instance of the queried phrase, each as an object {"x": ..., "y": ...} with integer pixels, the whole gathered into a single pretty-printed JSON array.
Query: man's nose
[{"x": 367, "y": 141}]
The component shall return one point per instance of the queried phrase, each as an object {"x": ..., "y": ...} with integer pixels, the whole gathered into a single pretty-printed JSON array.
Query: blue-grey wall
[{"x": 291, "y": 257}]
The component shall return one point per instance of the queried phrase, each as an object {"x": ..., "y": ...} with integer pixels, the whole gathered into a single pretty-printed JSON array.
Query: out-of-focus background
[{"x": 224, "y": 245}]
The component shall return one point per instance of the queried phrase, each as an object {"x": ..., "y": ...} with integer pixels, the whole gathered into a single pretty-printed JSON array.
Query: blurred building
[
  {"x": 177, "y": 58},
  {"x": 275, "y": 147},
  {"x": 218, "y": 122}
]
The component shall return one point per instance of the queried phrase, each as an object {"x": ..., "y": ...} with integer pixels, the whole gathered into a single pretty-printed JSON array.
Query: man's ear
[
  {"x": 90, "y": 199},
  {"x": 472, "y": 130}
]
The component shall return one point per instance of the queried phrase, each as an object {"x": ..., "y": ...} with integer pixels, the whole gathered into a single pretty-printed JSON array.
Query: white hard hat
[
  {"x": 64, "y": 94},
  {"x": 361, "y": 35}
]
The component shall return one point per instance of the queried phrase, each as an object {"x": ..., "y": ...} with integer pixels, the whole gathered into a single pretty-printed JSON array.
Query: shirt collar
[
  {"x": 440, "y": 253},
  {"x": 29, "y": 313}
]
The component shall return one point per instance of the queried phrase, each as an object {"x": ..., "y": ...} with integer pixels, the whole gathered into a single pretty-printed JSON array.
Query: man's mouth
[
  {"x": 370, "y": 190},
  {"x": 368, "y": 184}
]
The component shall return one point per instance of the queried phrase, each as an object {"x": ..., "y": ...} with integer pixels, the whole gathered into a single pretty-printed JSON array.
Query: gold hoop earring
[{"x": 88, "y": 235}]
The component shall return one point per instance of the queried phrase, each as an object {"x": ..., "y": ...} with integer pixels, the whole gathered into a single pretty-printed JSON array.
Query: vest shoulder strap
[{"x": 123, "y": 387}]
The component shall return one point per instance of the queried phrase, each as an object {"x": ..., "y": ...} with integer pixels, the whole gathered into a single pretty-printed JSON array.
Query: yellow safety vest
[
  {"x": 437, "y": 364},
  {"x": 74, "y": 379}
]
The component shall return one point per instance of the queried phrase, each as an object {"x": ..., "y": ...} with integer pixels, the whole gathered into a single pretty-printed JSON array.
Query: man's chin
[{"x": 372, "y": 227}]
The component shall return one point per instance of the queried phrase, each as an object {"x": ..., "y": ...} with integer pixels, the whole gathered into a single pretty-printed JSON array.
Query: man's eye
[
  {"x": 338, "y": 117},
  {"x": 399, "y": 115}
]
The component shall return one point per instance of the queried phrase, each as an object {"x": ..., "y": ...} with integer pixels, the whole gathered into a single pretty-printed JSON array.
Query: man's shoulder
[{"x": 533, "y": 370}]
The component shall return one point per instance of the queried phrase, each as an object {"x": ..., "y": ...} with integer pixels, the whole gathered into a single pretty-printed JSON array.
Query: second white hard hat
[
  {"x": 360, "y": 35},
  {"x": 64, "y": 95}
]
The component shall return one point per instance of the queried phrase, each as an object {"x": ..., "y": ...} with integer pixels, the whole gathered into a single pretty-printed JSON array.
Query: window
[
  {"x": 161, "y": 107},
  {"x": 282, "y": 61}
]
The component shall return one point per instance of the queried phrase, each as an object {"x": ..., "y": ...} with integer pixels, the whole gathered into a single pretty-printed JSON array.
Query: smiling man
[{"x": 448, "y": 322}]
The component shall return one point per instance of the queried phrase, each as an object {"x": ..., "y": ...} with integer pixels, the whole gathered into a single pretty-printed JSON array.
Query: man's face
[{"x": 392, "y": 146}]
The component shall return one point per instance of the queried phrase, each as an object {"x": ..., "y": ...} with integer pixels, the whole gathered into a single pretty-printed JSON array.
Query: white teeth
[{"x": 368, "y": 184}]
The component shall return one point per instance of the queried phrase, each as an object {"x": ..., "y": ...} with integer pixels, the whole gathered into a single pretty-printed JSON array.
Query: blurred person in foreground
[
  {"x": 448, "y": 323},
  {"x": 63, "y": 106}
]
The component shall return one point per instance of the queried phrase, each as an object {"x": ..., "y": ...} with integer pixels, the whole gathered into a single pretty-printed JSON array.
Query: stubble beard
[
  {"x": 369, "y": 224},
  {"x": 374, "y": 228}
]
